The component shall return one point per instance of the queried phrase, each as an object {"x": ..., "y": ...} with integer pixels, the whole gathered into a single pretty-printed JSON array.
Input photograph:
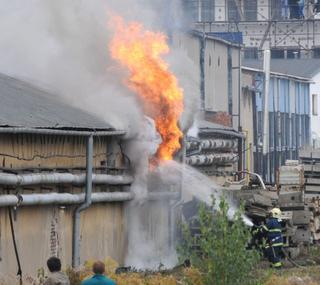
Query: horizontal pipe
[
  {"x": 212, "y": 144},
  {"x": 218, "y": 144},
  {"x": 62, "y": 198},
  {"x": 61, "y": 178},
  {"x": 21, "y": 130},
  {"x": 211, "y": 158}
]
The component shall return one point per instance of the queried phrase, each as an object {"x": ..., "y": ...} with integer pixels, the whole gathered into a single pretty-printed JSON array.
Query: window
[
  {"x": 315, "y": 104},
  {"x": 293, "y": 53},
  {"x": 277, "y": 53},
  {"x": 250, "y": 10},
  {"x": 199, "y": 11},
  {"x": 234, "y": 10},
  {"x": 316, "y": 52},
  {"x": 251, "y": 53}
]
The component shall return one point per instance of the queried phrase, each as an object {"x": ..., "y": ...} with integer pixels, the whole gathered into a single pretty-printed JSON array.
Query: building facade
[
  {"x": 215, "y": 149},
  {"x": 45, "y": 148},
  {"x": 289, "y": 117},
  {"x": 289, "y": 28}
]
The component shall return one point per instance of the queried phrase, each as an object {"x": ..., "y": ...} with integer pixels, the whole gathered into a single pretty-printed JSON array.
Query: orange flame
[{"x": 140, "y": 51}]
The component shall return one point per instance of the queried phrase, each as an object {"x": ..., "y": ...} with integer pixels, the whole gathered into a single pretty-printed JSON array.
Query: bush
[{"x": 219, "y": 250}]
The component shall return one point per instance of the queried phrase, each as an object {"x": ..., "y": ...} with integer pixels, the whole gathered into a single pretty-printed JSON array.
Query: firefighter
[{"x": 274, "y": 240}]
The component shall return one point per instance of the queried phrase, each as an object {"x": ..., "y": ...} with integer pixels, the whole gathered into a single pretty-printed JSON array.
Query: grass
[{"x": 308, "y": 275}]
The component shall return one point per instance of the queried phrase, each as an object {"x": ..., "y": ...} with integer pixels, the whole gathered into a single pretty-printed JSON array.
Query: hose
[{"x": 19, "y": 273}]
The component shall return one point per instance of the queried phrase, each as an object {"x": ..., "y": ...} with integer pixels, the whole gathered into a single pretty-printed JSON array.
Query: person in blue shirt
[
  {"x": 274, "y": 241},
  {"x": 98, "y": 278}
]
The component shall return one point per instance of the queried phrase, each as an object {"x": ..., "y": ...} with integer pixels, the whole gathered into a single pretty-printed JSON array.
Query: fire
[{"x": 140, "y": 51}]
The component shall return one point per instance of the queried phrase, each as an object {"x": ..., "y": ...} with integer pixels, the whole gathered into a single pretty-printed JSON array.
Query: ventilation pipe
[{"x": 84, "y": 206}]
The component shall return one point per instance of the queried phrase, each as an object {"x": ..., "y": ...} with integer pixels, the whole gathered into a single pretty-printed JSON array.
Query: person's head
[
  {"x": 54, "y": 264},
  {"x": 275, "y": 213},
  {"x": 98, "y": 267}
]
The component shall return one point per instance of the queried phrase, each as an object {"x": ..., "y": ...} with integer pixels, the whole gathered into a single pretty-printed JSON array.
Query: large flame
[{"x": 140, "y": 51}]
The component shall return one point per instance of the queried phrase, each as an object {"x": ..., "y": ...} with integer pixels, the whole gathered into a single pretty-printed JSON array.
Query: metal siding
[
  {"x": 271, "y": 95},
  {"x": 216, "y": 76}
]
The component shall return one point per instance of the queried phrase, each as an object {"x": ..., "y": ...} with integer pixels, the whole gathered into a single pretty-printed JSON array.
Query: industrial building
[
  {"x": 289, "y": 28},
  {"x": 51, "y": 155},
  {"x": 289, "y": 114}
]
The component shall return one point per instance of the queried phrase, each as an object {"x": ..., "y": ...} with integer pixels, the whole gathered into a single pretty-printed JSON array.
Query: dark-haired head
[
  {"x": 54, "y": 264},
  {"x": 98, "y": 267}
]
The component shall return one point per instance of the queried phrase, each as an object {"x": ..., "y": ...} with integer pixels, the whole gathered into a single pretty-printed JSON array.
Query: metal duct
[
  {"x": 62, "y": 198},
  {"x": 211, "y": 158},
  {"x": 218, "y": 144},
  {"x": 61, "y": 178}
]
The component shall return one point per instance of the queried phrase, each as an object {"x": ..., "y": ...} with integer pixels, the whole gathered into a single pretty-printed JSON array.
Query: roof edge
[
  {"x": 48, "y": 131},
  {"x": 279, "y": 74}
]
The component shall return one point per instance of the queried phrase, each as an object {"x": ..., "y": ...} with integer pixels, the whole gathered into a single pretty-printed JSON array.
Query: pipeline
[
  {"x": 9, "y": 179},
  {"x": 211, "y": 144},
  {"x": 62, "y": 198},
  {"x": 211, "y": 158},
  {"x": 218, "y": 144}
]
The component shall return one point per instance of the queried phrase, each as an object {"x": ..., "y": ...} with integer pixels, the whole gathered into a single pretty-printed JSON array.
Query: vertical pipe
[
  {"x": 202, "y": 70},
  {"x": 230, "y": 107},
  {"x": 266, "y": 68},
  {"x": 240, "y": 142},
  {"x": 82, "y": 207},
  {"x": 199, "y": 10}
]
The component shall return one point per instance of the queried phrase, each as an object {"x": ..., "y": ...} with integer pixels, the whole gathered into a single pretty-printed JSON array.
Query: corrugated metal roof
[
  {"x": 24, "y": 105},
  {"x": 305, "y": 68}
]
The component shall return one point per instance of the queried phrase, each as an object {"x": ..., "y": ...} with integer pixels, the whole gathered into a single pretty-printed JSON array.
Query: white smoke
[{"x": 62, "y": 46}]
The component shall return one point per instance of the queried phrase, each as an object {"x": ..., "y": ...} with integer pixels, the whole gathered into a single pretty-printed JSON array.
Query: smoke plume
[{"x": 62, "y": 46}]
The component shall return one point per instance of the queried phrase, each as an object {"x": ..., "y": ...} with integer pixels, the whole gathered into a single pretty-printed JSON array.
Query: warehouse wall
[
  {"x": 42, "y": 232},
  {"x": 25, "y": 150}
]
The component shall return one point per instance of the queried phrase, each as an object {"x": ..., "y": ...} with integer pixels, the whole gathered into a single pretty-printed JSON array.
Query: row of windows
[
  {"x": 253, "y": 53},
  {"x": 247, "y": 10}
]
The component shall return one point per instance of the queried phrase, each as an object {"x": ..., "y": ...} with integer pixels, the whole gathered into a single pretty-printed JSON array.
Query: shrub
[{"x": 219, "y": 251}]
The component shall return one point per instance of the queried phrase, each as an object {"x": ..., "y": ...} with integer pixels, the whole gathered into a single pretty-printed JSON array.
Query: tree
[{"x": 219, "y": 250}]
